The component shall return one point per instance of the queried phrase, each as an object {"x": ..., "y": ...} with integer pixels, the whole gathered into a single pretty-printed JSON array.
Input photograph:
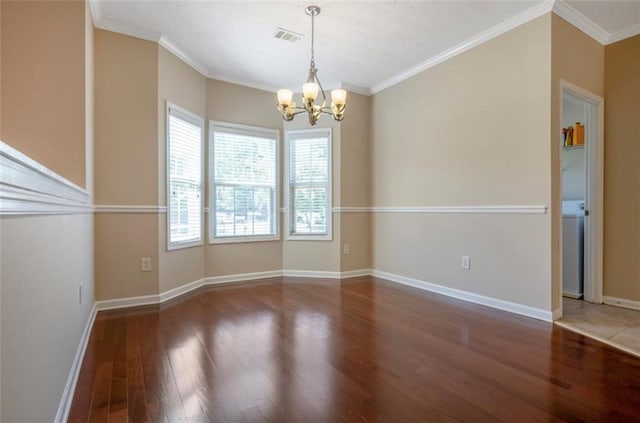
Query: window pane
[
  {"x": 263, "y": 218},
  {"x": 241, "y": 159},
  {"x": 310, "y": 209},
  {"x": 244, "y": 206},
  {"x": 309, "y": 160},
  {"x": 184, "y": 174},
  {"x": 225, "y": 216},
  {"x": 244, "y": 179},
  {"x": 309, "y": 181}
]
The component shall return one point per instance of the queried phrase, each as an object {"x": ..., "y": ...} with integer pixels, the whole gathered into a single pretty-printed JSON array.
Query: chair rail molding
[
  {"x": 30, "y": 188},
  {"x": 125, "y": 209},
  {"x": 499, "y": 209}
]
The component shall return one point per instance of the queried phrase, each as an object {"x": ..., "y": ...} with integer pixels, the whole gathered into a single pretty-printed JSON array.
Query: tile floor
[{"x": 615, "y": 326}]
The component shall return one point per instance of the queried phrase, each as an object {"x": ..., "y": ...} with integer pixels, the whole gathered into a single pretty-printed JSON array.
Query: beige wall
[
  {"x": 46, "y": 82},
  {"x": 622, "y": 170},
  {"x": 126, "y": 165},
  {"x": 181, "y": 85},
  {"x": 578, "y": 59},
  {"x": 356, "y": 232},
  {"x": 121, "y": 239},
  {"x": 1, "y": 66},
  {"x": 321, "y": 256},
  {"x": 355, "y": 187},
  {"x": 126, "y": 129},
  {"x": 471, "y": 131},
  {"x": 43, "y": 42},
  {"x": 89, "y": 96},
  {"x": 248, "y": 106}
]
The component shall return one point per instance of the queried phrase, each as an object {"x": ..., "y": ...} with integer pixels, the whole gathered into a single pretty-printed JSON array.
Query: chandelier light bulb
[
  {"x": 310, "y": 91},
  {"x": 284, "y": 97},
  {"x": 339, "y": 97}
]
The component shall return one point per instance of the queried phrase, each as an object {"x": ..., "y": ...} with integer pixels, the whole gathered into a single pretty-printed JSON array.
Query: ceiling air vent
[{"x": 287, "y": 35}]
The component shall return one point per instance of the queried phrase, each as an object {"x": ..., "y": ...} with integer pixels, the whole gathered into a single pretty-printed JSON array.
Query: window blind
[
  {"x": 309, "y": 183},
  {"x": 244, "y": 183},
  {"x": 184, "y": 179}
]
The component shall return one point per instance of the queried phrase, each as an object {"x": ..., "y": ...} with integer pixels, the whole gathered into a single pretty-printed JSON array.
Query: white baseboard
[
  {"x": 325, "y": 274},
  {"x": 622, "y": 302},
  {"x": 176, "y": 292},
  {"x": 523, "y": 310},
  {"x": 440, "y": 289},
  {"x": 355, "y": 273},
  {"x": 181, "y": 290},
  {"x": 127, "y": 302},
  {"x": 310, "y": 274},
  {"x": 571, "y": 295},
  {"x": 214, "y": 280},
  {"x": 70, "y": 388}
]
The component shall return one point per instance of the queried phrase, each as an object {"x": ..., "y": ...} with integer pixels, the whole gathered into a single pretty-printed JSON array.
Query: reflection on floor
[{"x": 615, "y": 326}]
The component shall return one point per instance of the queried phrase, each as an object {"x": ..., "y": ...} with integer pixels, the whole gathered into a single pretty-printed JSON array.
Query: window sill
[
  {"x": 183, "y": 245},
  {"x": 238, "y": 239},
  {"x": 305, "y": 237}
]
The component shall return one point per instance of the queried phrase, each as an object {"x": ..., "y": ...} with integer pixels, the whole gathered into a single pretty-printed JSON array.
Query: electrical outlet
[
  {"x": 346, "y": 249},
  {"x": 465, "y": 263},
  {"x": 145, "y": 264}
]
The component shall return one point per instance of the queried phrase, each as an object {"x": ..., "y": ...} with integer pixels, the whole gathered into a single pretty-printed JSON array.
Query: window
[
  {"x": 185, "y": 132},
  {"x": 244, "y": 181},
  {"x": 309, "y": 184}
]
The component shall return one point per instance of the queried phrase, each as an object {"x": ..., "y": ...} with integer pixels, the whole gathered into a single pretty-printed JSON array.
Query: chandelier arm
[
  {"x": 310, "y": 106},
  {"x": 324, "y": 97},
  {"x": 299, "y": 110}
]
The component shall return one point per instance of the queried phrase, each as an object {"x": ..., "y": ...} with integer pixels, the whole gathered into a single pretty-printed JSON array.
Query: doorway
[
  {"x": 612, "y": 325},
  {"x": 581, "y": 164}
]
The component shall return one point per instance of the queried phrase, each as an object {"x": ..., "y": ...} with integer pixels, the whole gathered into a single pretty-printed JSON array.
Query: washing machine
[{"x": 573, "y": 249}]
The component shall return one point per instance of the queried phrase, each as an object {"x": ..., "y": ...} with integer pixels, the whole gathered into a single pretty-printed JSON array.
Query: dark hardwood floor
[{"x": 364, "y": 350}]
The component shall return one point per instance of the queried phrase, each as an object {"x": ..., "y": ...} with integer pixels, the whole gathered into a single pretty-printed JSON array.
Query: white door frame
[{"x": 593, "y": 222}]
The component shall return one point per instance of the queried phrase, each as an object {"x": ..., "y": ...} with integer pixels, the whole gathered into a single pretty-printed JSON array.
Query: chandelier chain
[{"x": 313, "y": 61}]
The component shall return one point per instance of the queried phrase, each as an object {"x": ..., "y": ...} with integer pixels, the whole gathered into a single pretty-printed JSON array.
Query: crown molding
[
  {"x": 122, "y": 28},
  {"x": 625, "y": 33},
  {"x": 126, "y": 29},
  {"x": 524, "y": 17},
  {"x": 355, "y": 88},
  {"x": 250, "y": 84},
  {"x": 559, "y": 7},
  {"x": 95, "y": 10},
  {"x": 166, "y": 43},
  {"x": 580, "y": 21}
]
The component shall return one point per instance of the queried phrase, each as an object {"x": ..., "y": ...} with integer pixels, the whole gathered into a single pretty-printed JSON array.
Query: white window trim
[
  {"x": 253, "y": 130},
  {"x": 329, "y": 213},
  {"x": 199, "y": 121}
]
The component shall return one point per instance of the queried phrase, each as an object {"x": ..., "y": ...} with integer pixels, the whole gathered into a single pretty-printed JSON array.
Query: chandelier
[{"x": 310, "y": 90}]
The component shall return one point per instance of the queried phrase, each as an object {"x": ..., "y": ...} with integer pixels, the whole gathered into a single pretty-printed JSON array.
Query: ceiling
[{"x": 365, "y": 46}]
